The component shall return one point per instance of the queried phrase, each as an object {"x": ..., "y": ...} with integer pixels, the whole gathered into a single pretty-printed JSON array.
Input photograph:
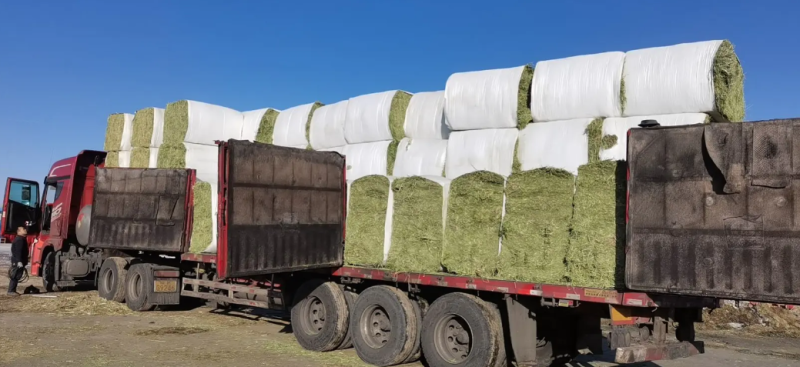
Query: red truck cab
[{"x": 55, "y": 221}]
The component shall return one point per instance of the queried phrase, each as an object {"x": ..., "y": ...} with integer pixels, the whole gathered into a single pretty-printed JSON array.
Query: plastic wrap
[
  {"x": 556, "y": 144},
  {"x": 290, "y": 127},
  {"x": 125, "y": 158},
  {"x": 327, "y": 126},
  {"x": 203, "y": 159},
  {"x": 425, "y": 117},
  {"x": 619, "y": 127},
  {"x": 420, "y": 157},
  {"x": 480, "y": 150},
  {"x": 127, "y": 133},
  {"x": 366, "y": 159},
  {"x": 577, "y": 87},
  {"x": 483, "y": 99},
  {"x": 153, "y": 163},
  {"x": 367, "y": 118},
  {"x": 158, "y": 129},
  {"x": 251, "y": 121},
  {"x": 670, "y": 80},
  {"x": 208, "y": 123}
]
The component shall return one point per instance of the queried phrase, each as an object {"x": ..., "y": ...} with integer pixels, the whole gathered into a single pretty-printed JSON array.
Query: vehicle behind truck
[{"x": 709, "y": 216}]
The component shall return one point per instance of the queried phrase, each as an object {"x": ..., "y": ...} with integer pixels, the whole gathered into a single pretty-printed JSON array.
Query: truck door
[{"x": 20, "y": 206}]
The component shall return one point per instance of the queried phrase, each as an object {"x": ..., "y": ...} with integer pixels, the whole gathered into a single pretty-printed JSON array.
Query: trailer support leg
[{"x": 522, "y": 329}]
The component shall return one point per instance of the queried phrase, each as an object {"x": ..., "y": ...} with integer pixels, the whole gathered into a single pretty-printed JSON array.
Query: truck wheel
[
  {"x": 350, "y": 297},
  {"x": 49, "y": 273},
  {"x": 139, "y": 285},
  {"x": 420, "y": 306},
  {"x": 384, "y": 325},
  {"x": 319, "y": 316},
  {"x": 461, "y": 330},
  {"x": 111, "y": 279}
]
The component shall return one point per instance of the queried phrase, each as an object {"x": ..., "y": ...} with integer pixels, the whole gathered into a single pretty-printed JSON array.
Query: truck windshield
[{"x": 23, "y": 193}]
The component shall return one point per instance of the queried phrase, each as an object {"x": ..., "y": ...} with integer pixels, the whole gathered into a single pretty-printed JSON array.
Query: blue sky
[{"x": 66, "y": 65}]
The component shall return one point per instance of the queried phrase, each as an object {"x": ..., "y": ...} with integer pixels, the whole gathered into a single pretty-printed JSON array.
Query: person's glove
[{"x": 19, "y": 265}]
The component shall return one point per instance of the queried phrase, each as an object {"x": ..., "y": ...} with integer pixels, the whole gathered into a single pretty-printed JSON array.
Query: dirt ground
[{"x": 80, "y": 329}]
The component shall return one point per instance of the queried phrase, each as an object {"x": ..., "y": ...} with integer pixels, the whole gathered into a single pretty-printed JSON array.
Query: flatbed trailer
[{"x": 287, "y": 253}]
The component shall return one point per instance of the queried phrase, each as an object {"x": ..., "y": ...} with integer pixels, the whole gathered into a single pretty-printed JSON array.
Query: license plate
[{"x": 165, "y": 286}]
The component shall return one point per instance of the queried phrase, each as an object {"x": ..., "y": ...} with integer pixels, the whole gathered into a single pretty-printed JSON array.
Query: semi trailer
[{"x": 707, "y": 210}]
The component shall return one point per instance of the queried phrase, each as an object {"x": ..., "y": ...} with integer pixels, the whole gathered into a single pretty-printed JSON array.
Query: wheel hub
[
  {"x": 453, "y": 339},
  {"x": 315, "y": 315},
  {"x": 376, "y": 327}
]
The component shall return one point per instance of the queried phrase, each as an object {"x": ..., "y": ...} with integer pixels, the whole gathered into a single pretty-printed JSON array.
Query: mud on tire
[{"x": 319, "y": 316}]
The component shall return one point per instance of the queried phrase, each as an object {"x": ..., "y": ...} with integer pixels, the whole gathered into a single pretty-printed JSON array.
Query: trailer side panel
[
  {"x": 140, "y": 209},
  {"x": 285, "y": 209},
  {"x": 714, "y": 210}
]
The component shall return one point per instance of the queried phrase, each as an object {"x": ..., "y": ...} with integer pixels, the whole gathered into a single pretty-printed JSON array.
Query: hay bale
[
  {"x": 267, "y": 126},
  {"x": 536, "y": 226},
  {"x": 729, "y": 83},
  {"x": 140, "y": 157},
  {"x": 596, "y": 254},
  {"x": 489, "y": 99},
  {"x": 142, "y": 128},
  {"x": 202, "y": 222},
  {"x": 366, "y": 221},
  {"x": 524, "y": 114},
  {"x": 172, "y": 156},
  {"x": 112, "y": 159},
  {"x": 397, "y": 114},
  {"x": 417, "y": 225},
  {"x": 597, "y": 141},
  {"x": 308, "y": 123},
  {"x": 472, "y": 230},
  {"x": 114, "y": 132},
  {"x": 391, "y": 156},
  {"x": 176, "y": 122}
]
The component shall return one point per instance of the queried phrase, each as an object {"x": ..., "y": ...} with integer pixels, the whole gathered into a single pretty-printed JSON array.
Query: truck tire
[
  {"x": 350, "y": 297},
  {"x": 461, "y": 330},
  {"x": 138, "y": 287},
  {"x": 319, "y": 316},
  {"x": 111, "y": 279},
  {"x": 385, "y": 326},
  {"x": 49, "y": 273},
  {"x": 419, "y": 311}
]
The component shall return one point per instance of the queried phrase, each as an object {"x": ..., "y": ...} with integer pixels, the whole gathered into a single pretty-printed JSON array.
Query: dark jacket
[{"x": 19, "y": 250}]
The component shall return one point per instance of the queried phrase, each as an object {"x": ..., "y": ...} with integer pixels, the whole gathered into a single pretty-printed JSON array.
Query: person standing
[{"x": 19, "y": 258}]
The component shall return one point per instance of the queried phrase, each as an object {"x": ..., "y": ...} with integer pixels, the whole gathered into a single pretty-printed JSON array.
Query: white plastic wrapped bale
[
  {"x": 619, "y": 127},
  {"x": 557, "y": 144},
  {"x": 376, "y": 117},
  {"x": 419, "y": 214},
  {"x": 478, "y": 163},
  {"x": 369, "y": 159},
  {"x": 420, "y": 157},
  {"x": 124, "y": 158},
  {"x": 327, "y": 126},
  {"x": 425, "y": 117},
  {"x": 203, "y": 159},
  {"x": 118, "y": 139},
  {"x": 147, "y": 136},
  {"x": 489, "y": 99},
  {"x": 481, "y": 150},
  {"x": 690, "y": 77},
  {"x": 577, "y": 87},
  {"x": 291, "y": 126},
  {"x": 200, "y": 123},
  {"x": 259, "y": 125}
]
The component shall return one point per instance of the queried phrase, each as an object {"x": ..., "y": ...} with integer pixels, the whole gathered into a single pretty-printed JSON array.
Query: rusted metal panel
[
  {"x": 139, "y": 209},
  {"x": 285, "y": 209},
  {"x": 713, "y": 210}
]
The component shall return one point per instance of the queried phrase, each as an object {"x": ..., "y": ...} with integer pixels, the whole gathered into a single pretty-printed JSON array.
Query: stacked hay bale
[
  {"x": 419, "y": 188},
  {"x": 292, "y": 126},
  {"x": 147, "y": 137},
  {"x": 258, "y": 125},
  {"x": 326, "y": 129},
  {"x": 373, "y": 126},
  {"x": 484, "y": 109},
  {"x": 190, "y": 131},
  {"x": 118, "y": 140}
]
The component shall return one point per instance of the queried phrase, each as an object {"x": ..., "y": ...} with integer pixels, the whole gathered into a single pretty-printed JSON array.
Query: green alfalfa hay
[
  {"x": 596, "y": 254},
  {"x": 366, "y": 220},
  {"x": 267, "y": 126},
  {"x": 524, "y": 115},
  {"x": 391, "y": 156},
  {"x": 397, "y": 114},
  {"x": 308, "y": 122},
  {"x": 142, "y": 128},
  {"x": 112, "y": 159},
  {"x": 201, "y": 221},
  {"x": 171, "y": 156},
  {"x": 140, "y": 157},
  {"x": 472, "y": 229},
  {"x": 597, "y": 141},
  {"x": 417, "y": 228},
  {"x": 729, "y": 83},
  {"x": 176, "y": 122},
  {"x": 116, "y": 124},
  {"x": 536, "y": 226}
]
